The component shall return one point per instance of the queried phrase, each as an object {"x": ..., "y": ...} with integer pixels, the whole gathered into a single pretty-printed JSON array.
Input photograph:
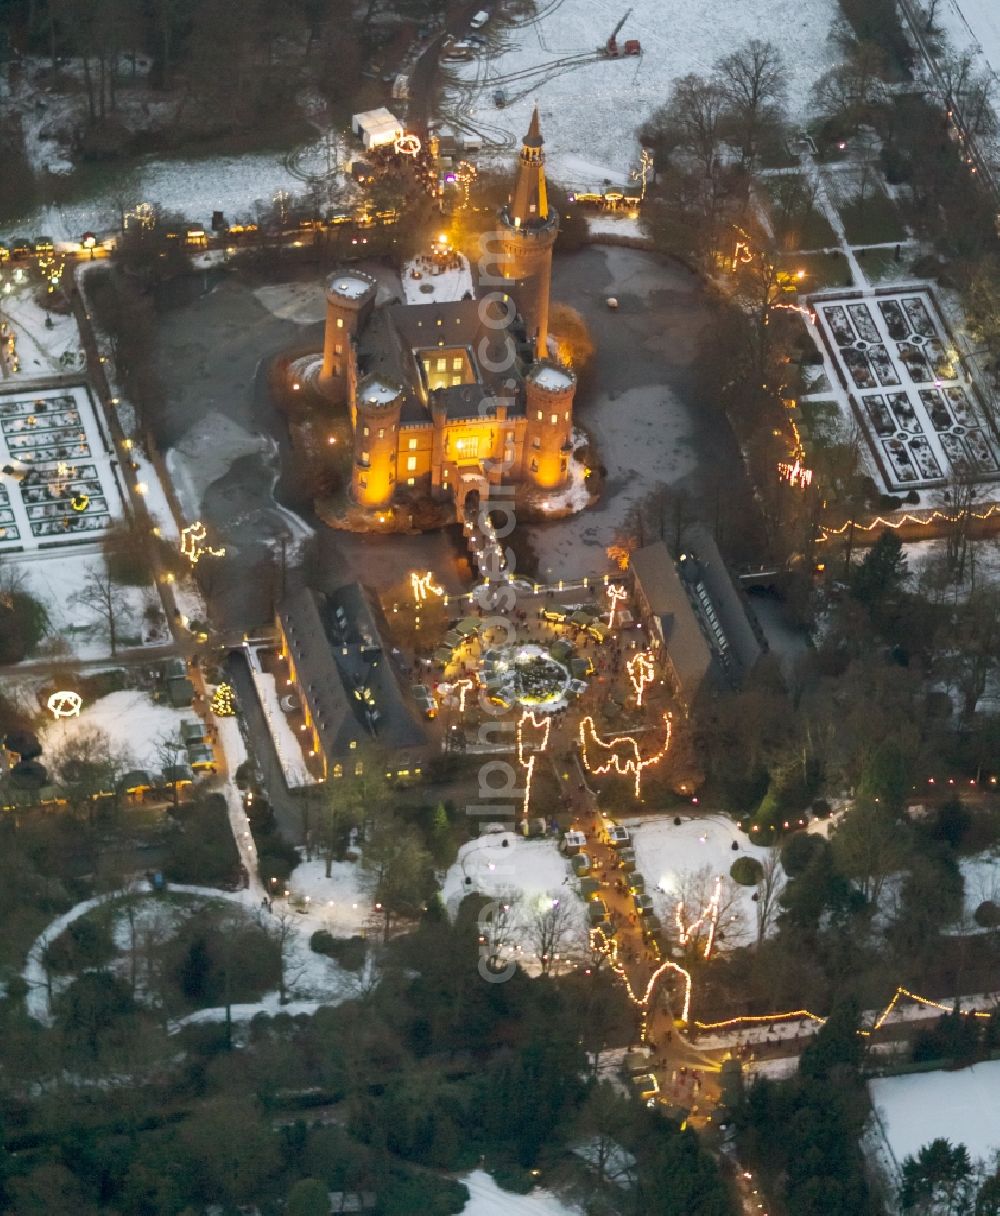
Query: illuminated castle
[{"x": 450, "y": 398}]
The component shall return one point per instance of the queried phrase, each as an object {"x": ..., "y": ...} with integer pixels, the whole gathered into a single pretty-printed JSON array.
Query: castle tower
[
  {"x": 350, "y": 297},
  {"x": 549, "y": 391},
  {"x": 376, "y": 437},
  {"x": 527, "y": 230}
]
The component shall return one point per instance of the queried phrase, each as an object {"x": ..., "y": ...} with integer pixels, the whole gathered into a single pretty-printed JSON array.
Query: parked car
[
  {"x": 581, "y": 864},
  {"x": 643, "y": 904},
  {"x": 43, "y": 244},
  {"x": 424, "y": 700},
  {"x": 597, "y": 911},
  {"x": 636, "y": 883}
]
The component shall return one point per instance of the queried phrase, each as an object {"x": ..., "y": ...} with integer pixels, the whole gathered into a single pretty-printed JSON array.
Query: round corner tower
[
  {"x": 378, "y": 402},
  {"x": 350, "y": 297},
  {"x": 527, "y": 230},
  {"x": 549, "y": 391}
]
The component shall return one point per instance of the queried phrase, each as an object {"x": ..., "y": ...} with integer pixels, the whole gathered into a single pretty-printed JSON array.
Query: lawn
[
  {"x": 803, "y": 227},
  {"x": 820, "y": 422},
  {"x": 821, "y": 269},
  {"x": 872, "y": 221},
  {"x": 881, "y": 265}
]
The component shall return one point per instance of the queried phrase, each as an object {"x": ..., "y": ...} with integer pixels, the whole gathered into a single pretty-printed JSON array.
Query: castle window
[
  {"x": 539, "y": 415},
  {"x": 339, "y": 349},
  {"x": 566, "y": 416},
  {"x": 534, "y": 466},
  {"x": 411, "y": 463},
  {"x": 411, "y": 481},
  {"x": 442, "y": 364},
  {"x": 363, "y": 482},
  {"x": 457, "y": 364},
  {"x": 340, "y": 322},
  {"x": 365, "y": 432},
  {"x": 536, "y": 443},
  {"x": 456, "y": 380},
  {"x": 554, "y": 419},
  {"x": 338, "y": 770},
  {"x": 359, "y": 768},
  {"x": 365, "y": 457},
  {"x": 412, "y": 445},
  {"x": 381, "y": 429},
  {"x": 353, "y": 744}
]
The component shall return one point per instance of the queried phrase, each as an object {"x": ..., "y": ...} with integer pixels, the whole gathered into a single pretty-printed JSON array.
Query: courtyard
[{"x": 58, "y": 482}]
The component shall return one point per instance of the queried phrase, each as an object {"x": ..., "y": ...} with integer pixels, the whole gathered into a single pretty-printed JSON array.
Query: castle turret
[
  {"x": 350, "y": 297},
  {"x": 527, "y": 229},
  {"x": 549, "y": 391},
  {"x": 378, "y": 403}
]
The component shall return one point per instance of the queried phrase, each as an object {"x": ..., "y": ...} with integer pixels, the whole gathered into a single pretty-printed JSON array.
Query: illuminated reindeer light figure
[{"x": 620, "y": 753}]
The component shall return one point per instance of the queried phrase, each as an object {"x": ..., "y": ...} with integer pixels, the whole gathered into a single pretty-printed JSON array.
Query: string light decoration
[
  {"x": 527, "y": 759},
  {"x": 923, "y": 521},
  {"x": 407, "y": 144},
  {"x": 64, "y": 704},
  {"x": 601, "y": 944},
  {"x": 223, "y": 703},
  {"x": 424, "y": 586},
  {"x": 462, "y": 687},
  {"x": 793, "y": 1015},
  {"x": 622, "y": 752},
  {"x": 796, "y": 474},
  {"x": 641, "y": 671},
  {"x": 709, "y": 915},
  {"x": 616, "y": 593},
  {"x": 193, "y": 545}
]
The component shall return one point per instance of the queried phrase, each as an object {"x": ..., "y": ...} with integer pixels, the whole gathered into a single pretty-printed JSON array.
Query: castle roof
[
  {"x": 391, "y": 346},
  {"x": 528, "y": 205},
  {"x": 347, "y": 676}
]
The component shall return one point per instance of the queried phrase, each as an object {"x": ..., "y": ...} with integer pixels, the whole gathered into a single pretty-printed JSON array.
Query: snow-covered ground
[
  {"x": 303, "y": 303},
  {"x": 960, "y": 1106},
  {"x": 487, "y": 1199},
  {"x": 312, "y": 979},
  {"x": 340, "y": 901},
  {"x": 575, "y": 495},
  {"x": 133, "y": 722},
  {"x": 982, "y": 565},
  {"x": 421, "y": 285},
  {"x": 668, "y": 856},
  {"x": 242, "y": 187},
  {"x": 41, "y": 351},
  {"x": 611, "y": 224},
  {"x": 590, "y": 110},
  {"x": 524, "y": 873},
  {"x": 972, "y": 25},
  {"x": 55, "y": 577}
]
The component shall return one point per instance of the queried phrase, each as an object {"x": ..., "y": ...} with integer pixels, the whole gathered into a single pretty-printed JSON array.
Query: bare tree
[
  {"x": 552, "y": 929},
  {"x": 766, "y": 895},
  {"x": 87, "y": 768},
  {"x": 170, "y": 753},
  {"x": 102, "y": 597},
  {"x": 706, "y": 907},
  {"x": 752, "y": 81},
  {"x": 282, "y": 926},
  {"x": 499, "y": 927}
]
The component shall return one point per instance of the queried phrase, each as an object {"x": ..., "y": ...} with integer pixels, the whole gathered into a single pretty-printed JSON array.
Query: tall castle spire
[
  {"x": 528, "y": 205},
  {"x": 528, "y": 229}
]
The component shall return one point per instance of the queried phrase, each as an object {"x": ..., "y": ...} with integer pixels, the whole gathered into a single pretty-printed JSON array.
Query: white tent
[{"x": 375, "y": 128}]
